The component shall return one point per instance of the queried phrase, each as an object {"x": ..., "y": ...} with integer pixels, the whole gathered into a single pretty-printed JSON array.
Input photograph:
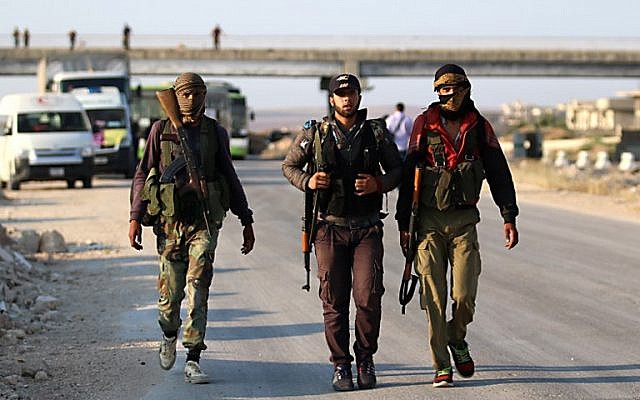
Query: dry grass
[{"x": 624, "y": 187}]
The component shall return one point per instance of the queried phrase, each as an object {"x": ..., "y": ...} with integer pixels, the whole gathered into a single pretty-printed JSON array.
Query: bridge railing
[{"x": 95, "y": 40}]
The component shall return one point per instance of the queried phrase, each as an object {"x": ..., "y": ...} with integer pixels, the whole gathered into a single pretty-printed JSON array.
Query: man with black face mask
[
  {"x": 456, "y": 148},
  {"x": 162, "y": 197},
  {"x": 344, "y": 154}
]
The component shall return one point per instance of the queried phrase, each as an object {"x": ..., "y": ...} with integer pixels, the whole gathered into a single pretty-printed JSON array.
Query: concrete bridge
[{"x": 365, "y": 62}]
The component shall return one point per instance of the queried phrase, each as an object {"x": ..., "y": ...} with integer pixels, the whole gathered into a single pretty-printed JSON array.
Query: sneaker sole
[
  {"x": 442, "y": 384},
  {"x": 194, "y": 380},
  {"x": 365, "y": 387}
]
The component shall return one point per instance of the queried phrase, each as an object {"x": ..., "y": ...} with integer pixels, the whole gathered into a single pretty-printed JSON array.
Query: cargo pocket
[
  {"x": 378, "y": 270},
  {"x": 423, "y": 258},
  {"x": 324, "y": 289}
]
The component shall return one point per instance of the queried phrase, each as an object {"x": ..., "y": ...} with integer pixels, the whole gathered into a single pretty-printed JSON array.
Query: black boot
[{"x": 342, "y": 378}]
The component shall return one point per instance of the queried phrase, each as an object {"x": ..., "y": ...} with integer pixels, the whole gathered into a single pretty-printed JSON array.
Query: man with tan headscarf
[
  {"x": 455, "y": 147},
  {"x": 162, "y": 198}
]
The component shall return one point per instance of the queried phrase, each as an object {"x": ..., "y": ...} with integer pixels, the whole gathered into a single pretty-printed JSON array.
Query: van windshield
[
  {"x": 53, "y": 121},
  {"x": 107, "y": 119}
]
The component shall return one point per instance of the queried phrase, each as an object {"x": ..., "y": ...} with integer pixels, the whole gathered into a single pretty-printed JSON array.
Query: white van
[
  {"x": 108, "y": 112},
  {"x": 44, "y": 137}
]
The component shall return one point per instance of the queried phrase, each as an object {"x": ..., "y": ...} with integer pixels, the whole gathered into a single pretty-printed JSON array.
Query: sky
[{"x": 500, "y": 21}]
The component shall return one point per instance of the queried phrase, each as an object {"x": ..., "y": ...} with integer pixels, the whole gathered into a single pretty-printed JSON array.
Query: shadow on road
[
  {"x": 262, "y": 331},
  {"x": 524, "y": 369},
  {"x": 235, "y": 379}
]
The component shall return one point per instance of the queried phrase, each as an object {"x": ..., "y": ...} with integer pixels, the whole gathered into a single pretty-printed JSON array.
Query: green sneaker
[{"x": 443, "y": 378}]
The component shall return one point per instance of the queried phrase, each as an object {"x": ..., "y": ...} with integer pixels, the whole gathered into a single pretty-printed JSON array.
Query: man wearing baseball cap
[{"x": 344, "y": 155}]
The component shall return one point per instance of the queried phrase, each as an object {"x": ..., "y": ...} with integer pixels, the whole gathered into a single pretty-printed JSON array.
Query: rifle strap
[{"x": 317, "y": 146}]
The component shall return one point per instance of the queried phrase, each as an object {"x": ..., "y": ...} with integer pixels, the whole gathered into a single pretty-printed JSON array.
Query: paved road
[{"x": 557, "y": 317}]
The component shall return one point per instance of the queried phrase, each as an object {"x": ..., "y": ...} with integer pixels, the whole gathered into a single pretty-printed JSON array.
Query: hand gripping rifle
[
  {"x": 169, "y": 104},
  {"x": 406, "y": 290}
]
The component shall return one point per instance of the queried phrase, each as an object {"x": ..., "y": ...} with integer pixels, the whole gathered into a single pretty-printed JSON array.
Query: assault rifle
[
  {"x": 197, "y": 183},
  {"x": 406, "y": 290},
  {"x": 311, "y": 208}
]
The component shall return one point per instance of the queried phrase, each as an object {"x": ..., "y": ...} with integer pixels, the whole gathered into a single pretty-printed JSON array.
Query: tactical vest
[
  {"x": 340, "y": 199},
  {"x": 446, "y": 186},
  {"x": 164, "y": 198}
]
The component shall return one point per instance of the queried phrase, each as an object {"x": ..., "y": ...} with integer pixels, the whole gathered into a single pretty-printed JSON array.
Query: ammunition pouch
[
  {"x": 443, "y": 189},
  {"x": 150, "y": 195}
]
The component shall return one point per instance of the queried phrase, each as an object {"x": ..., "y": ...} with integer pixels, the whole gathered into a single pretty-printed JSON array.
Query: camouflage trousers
[
  {"x": 447, "y": 238},
  {"x": 186, "y": 261}
]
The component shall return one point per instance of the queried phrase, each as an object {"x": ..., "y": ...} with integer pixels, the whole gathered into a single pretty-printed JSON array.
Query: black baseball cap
[{"x": 344, "y": 81}]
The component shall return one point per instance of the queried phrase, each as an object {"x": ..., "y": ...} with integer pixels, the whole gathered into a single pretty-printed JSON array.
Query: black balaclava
[
  {"x": 191, "y": 109},
  {"x": 453, "y": 105}
]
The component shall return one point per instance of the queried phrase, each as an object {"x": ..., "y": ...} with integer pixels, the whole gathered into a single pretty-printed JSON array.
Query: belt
[{"x": 351, "y": 222}]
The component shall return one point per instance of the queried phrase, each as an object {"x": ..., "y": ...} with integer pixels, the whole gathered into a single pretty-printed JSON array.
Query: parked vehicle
[
  {"x": 44, "y": 137},
  {"x": 65, "y": 82},
  {"x": 110, "y": 119}
]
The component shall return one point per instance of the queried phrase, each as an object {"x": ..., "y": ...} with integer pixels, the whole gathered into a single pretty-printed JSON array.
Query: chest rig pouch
[
  {"x": 442, "y": 187},
  {"x": 340, "y": 200},
  {"x": 166, "y": 195}
]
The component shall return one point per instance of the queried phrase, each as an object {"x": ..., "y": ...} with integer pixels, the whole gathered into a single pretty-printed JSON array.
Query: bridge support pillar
[{"x": 351, "y": 66}]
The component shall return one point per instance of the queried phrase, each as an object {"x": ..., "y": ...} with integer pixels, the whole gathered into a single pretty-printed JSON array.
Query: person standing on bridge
[
  {"x": 126, "y": 36},
  {"x": 72, "y": 39},
  {"x": 215, "y": 33},
  {"x": 26, "y": 36},
  {"x": 400, "y": 125},
  {"x": 456, "y": 148},
  {"x": 344, "y": 154},
  {"x": 16, "y": 37},
  {"x": 162, "y": 197}
]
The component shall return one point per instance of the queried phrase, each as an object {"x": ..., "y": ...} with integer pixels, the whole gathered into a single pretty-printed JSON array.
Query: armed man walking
[
  {"x": 183, "y": 187},
  {"x": 343, "y": 154},
  {"x": 454, "y": 148}
]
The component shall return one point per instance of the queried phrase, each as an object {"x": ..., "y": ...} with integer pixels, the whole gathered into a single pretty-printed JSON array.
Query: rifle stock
[{"x": 169, "y": 103}]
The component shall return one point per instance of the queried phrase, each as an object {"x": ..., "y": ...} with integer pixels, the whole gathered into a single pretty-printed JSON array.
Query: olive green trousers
[{"x": 447, "y": 238}]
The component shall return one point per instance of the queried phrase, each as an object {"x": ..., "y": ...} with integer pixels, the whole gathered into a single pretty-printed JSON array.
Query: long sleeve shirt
[
  {"x": 302, "y": 152},
  {"x": 151, "y": 158},
  {"x": 493, "y": 161}
]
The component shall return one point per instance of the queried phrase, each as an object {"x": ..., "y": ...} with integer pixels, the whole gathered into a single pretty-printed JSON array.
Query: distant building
[
  {"x": 519, "y": 113},
  {"x": 605, "y": 114}
]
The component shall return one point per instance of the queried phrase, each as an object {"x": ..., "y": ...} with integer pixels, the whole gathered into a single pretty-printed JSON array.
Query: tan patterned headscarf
[{"x": 191, "y": 109}]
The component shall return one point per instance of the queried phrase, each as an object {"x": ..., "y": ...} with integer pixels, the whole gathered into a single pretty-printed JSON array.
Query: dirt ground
[{"x": 85, "y": 357}]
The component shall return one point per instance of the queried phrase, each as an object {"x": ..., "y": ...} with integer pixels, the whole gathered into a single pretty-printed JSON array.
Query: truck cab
[{"x": 44, "y": 137}]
